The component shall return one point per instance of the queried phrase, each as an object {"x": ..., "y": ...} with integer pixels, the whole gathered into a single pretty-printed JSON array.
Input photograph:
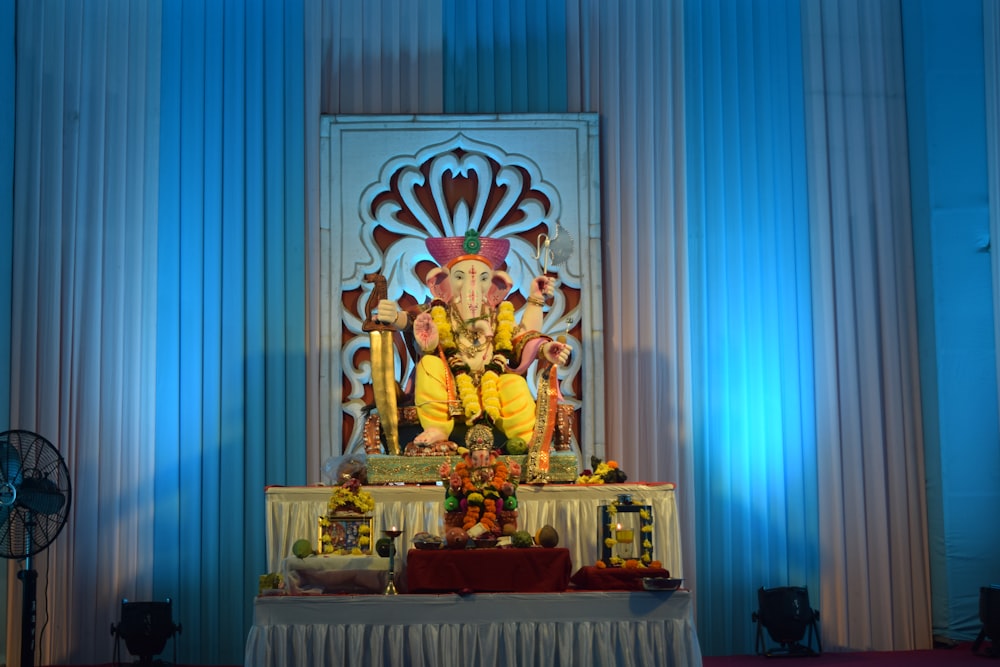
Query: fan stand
[
  {"x": 34, "y": 484},
  {"x": 29, "y": 578}
]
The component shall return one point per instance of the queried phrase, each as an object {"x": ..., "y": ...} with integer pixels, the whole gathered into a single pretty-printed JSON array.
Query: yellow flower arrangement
[
  {"x": 602, "y": 473},
  {"x": 350, "y": 497}
]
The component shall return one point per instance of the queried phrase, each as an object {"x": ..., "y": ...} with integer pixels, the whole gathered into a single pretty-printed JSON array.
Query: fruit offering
[
  {"x": 547, "y": 536},
  {"x": 522, "y": 539},
  {"x": 302, "y": 548}
]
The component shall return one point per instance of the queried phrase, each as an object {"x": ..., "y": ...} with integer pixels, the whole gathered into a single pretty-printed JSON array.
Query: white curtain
[
  {"x": 631, "y": 71},
  {"x": 873, "y": 516}
]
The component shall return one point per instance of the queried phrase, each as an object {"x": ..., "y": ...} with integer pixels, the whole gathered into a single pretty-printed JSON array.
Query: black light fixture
[
  {"x": 989, "y": 616},
  {"x": 787, "y": 616},
  {"x": 145, "y": 627}
]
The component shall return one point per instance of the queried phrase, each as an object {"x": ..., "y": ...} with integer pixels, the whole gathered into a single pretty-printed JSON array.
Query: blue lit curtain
[
  {"x": 751, "y": 319},
  {"x": 164, "y": 271},
  {"x": 81, "y": 265},
  {"x": 950, "y": 62},
  {"x": 991, "y": 58},
  {"x": 230, "y": 302},
  {"x": 7, "y": 86},
  {"x": 158, "y": 331}
]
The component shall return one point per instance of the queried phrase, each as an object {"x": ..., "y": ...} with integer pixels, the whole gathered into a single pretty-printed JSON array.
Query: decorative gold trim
[{"x": 385, "y": 469}]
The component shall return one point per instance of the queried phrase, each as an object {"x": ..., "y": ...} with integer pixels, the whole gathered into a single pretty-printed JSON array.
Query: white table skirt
[
  {"x": 340, "y": 574},
  {"x": 579, "y": 628},
  {"x": 573, "y": 510}
]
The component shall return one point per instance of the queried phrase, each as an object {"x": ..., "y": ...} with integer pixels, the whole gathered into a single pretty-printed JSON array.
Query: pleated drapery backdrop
[
  {"x": 751, "y": 320},
  {"x": 758, "y": 280},
  {"x": 82, "y": 274},
  {"x": 869, "y": 441},
  {"x": 230, "y": 302},
  {"x": 159, "y": 286}
]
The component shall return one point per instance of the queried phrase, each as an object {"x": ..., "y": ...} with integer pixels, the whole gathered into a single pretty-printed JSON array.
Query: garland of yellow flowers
[
  {"x": 350, "y": 497},
  {"x": 487, "y": 398}
]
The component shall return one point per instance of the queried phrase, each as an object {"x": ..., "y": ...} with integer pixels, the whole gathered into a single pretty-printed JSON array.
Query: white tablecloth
[
  {"x": 579, "y": 628},
  {"x": 341, "y": 574},
  {"x": 572, "y": 509}
]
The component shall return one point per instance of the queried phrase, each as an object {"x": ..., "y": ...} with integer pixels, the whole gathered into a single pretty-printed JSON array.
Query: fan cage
[{"x": 35, "y": 493}]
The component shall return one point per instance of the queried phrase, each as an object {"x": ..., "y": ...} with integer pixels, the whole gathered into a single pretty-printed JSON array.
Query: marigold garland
[
  {"x": 350, "y": 497},
  {"x": 467, "y": 394},
  {"x": 478, "y": 394},
  {"x": 489, "y": 386},
  {"x": 503, "y": 337},
  {"x": 445, "y": 337}
]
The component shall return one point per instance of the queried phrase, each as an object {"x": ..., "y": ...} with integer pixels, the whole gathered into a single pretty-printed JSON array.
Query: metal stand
[{"x": 390, "y": 586}]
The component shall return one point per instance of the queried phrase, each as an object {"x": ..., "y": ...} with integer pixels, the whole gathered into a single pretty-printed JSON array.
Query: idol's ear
[
  {"x": 501, "y": 284},
  {"x": 440, "y": 286}
]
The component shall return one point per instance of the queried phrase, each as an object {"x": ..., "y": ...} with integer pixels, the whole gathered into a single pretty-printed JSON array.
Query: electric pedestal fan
[{"x": 35, "y": 497}]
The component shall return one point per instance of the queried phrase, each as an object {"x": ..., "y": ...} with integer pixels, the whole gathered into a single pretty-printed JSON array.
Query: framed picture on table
[
  {"x": 626, "y": 533},
  {"x": 345, "y": 534}
]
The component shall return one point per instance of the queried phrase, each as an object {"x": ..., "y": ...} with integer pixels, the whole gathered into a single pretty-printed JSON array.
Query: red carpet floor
[{"x": 960, "y": 655}]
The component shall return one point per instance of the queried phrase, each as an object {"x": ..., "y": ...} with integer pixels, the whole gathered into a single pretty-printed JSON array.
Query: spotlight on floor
[
  {"x": 786, "y": 615},
  {"x": 145, "y": 627},
  {"x": 989, "y": 616}
]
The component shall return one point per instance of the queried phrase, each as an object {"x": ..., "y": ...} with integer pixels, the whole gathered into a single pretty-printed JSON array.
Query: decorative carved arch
[{"x": 389, "y": 183}]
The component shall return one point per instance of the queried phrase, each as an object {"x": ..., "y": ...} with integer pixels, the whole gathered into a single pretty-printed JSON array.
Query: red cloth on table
[
  {"x": 614, "y": 578},
  {"x": 506, "y": 570}
]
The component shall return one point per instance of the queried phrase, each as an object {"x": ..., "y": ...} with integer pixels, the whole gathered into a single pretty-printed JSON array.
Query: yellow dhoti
[{"x": 434, "y": 394}]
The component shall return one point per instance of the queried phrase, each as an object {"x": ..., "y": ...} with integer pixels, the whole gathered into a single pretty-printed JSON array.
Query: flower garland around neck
[{"x": 484, "y": 398}]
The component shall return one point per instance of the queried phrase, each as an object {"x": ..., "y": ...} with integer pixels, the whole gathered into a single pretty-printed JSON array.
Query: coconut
[{"x": 547, "y": 536}]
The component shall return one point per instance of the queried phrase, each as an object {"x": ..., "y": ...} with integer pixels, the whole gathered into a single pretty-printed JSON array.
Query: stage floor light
[
  {"x": 787, "y": 616},
  {"x": 989, "y": 616},
  {"x": 145, "y": 627}
]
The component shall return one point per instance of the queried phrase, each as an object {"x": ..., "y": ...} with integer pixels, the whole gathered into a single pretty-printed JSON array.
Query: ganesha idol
[{"x": 474, "y": 353}]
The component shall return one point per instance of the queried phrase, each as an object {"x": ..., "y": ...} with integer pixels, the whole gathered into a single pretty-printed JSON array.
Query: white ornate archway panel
[{"x": 390, "y": 182}]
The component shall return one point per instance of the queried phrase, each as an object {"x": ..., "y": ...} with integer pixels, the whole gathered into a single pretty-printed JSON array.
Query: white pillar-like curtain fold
[{"x": 873, "y": 522}]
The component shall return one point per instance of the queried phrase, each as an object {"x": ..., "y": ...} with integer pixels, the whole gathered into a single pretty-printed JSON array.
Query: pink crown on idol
[{"x": 448, "y": 250}]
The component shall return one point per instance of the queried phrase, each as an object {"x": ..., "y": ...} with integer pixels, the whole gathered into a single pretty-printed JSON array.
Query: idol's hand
[
  {"x": 556, "y": 353},
  {"x": 425, "y": 332},
  {"x": 542, "y": 288},
  {"x": 388, "y": 312}
]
